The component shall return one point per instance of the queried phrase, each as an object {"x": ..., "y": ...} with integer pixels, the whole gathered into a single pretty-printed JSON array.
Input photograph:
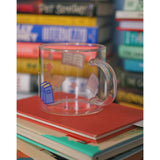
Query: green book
[
  {"x": 130, "y": 52},
  {"x": 133, "y": 5}
]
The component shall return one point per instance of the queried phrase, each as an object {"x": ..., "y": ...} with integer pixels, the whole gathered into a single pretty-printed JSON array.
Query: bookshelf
[{"x": 117, "y": 24}]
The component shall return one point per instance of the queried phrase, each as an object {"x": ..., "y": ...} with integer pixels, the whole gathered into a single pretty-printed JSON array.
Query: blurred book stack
[
  {"x": 53, "y": 21},
  {"x": 130, "y": 53}
]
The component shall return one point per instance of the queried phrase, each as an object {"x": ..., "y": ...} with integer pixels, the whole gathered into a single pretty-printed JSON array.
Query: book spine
[
  {"x": 27, "y": 8},
  {"x": 133, "y": 38},
  {"x": 135, "y": 29},
  {"x": 133, "y": 65},
  {"x": 130, "y": 79},
  {"x": 57, "y": 34},
  {"x": 131, "y": 52},
  {"x": 27, "y": 83},
  {"x": 56, "y": 20},
  {"x": 31, "y": 66},
  {"x": 58, "y": 8},
  {"x": 31, "y": 50},
  {"x": 62, "y": 8},
  {"x": 133, "y": 5},
  {"x": 129, "y": 96},
  {"x": 27, "y": 50},
  {"x": 131, "y": 105},
  {"x": 126, "y": 15}
]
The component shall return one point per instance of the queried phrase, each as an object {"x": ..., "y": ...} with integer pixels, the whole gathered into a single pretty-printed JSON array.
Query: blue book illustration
[
  {"x": 42, "y": 90},
  {"x": 51, "y": 33},
  {"x": 133, "y": 65},
  {"x": 47, "y": 93}
]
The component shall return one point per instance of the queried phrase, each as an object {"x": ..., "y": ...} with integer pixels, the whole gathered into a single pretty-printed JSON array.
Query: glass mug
[{"x": 75, "y": 79}]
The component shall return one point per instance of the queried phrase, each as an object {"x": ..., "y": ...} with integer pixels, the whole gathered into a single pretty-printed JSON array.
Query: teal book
[
  {"x": 133, "y": 38},
  {"x": 131, "y": 52},
  {"x": 133, "y": 65}
]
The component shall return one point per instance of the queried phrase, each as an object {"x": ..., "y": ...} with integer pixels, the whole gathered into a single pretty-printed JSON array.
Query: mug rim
[{"x": 100, "y": 47}]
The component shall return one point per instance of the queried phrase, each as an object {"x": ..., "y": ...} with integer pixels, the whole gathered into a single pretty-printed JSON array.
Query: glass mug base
[
  {"x": 71, "y": 107},
  {"x": 69, "y": 104}
]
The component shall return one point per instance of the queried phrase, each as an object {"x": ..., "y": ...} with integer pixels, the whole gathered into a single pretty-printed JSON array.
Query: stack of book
[
  {"x": 114, "y": 133},
  {"x": 130, "y": 53},
  {"x": 53, "y": 21}
]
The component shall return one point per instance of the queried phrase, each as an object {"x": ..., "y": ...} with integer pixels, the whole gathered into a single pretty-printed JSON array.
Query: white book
[{"x": 129, "y": 15}]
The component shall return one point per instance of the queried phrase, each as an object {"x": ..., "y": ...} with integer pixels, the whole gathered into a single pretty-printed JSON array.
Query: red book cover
[{"x": 112, "y": 119}]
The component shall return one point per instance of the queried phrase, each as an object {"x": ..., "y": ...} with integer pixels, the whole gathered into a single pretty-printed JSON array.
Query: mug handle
[{"x": 110, "y": 76}]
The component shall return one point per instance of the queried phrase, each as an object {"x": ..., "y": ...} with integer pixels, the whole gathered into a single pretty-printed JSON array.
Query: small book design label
[
  {"x": 73, "y": 59},
  {"x": 47, "y": 93}
]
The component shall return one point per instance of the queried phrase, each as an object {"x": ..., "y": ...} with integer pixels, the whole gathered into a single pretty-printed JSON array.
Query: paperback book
[
  {"x": 62, "y": 144},
  {"x": 57, "y": 34},
  {"x": 60, "y": 20}
]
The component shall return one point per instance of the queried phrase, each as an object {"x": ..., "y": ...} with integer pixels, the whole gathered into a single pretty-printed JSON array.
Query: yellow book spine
[
  {"x": 131, "y": 105},
  {"x": 56, "y": 20},
  {"x": 28, "y": 65},
  {"x": 129, "y": 97}
]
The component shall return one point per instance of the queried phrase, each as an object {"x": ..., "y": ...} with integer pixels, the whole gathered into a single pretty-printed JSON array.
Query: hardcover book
[
  {"x": 53, "y": 33},
  {"x": 27, "y": 83},
  {"x": 130, "y": 26},
  {"x": 133, "y": 65},
  {"x": 129, "y": 15},
  {"x": 133, "y": 5},
  {"x": 130, "y": 52},
  {"x": 79, "y": 8},
  {"x": 60, "y": 20},
  {"x": 92, "y": 127}
]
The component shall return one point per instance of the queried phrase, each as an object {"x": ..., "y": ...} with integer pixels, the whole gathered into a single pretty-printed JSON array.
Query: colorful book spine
[
  {"x": 131, "y": 105},
  {"x": 57, "y": 20},
  {"x": 130, "y": 52},
  {"x": 133, "y": 5},
  {"x": 129, "y": 15},
  {"x": 133, "y": 38},
  {"x": 130, "y": 79},
  {"x": 61, "y": 8},
  {"x": 130, "y": 26},
  {"x": 27, "y": 83},
  {"x": 31, "y": 66},
  {"x": 51, "y": 33},
  {"x": 79, "y": 8},
  {"x": 129, "y": 97},
  {"x": 133, "y": 65}
]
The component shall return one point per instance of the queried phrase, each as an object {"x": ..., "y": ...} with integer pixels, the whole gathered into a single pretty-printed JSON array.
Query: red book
[
  {"x": 112, "y": 119},
  {"x": 31, "y": 50}
]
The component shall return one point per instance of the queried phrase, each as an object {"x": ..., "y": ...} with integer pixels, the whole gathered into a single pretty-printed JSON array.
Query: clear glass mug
[{"x": 75, "y": 79}]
